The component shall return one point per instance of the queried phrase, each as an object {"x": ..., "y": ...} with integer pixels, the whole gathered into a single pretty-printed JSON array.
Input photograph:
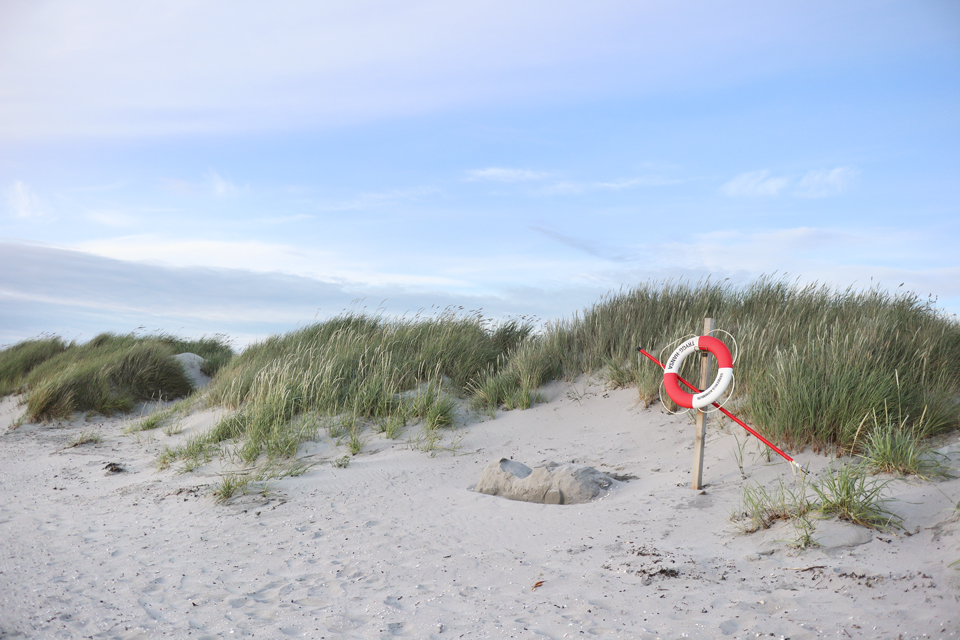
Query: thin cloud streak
[
  {"x": 257, "y": 256},
  {"x": 822, "y": 183},
  {"x": 578, "y": 188},
  {"x": 754, "y": 184},
  {"x": 22, "y": 201},
  {"x": 593, "y": 248},
  {"x": 71, "y": 293},
  {"x": 219, "y": 186},
  {"x": 375, "y": 200},
  {"x": 502, "y": 174},
  {"x": 816, "y": 183}
]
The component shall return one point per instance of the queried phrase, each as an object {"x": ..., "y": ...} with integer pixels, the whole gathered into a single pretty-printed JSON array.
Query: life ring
[{"x": 671, "y": 377}]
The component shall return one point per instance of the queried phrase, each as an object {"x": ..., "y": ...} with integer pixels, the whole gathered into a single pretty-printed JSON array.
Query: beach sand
[{"x": 397, "y": 545}]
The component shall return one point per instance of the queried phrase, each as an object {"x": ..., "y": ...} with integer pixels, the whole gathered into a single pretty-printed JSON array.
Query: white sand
[{"x": 396, "y": 545}]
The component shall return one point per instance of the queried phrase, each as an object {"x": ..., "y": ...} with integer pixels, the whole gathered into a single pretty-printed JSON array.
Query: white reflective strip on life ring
[
  {"x": 680, "y": 354},
  {"x": 710, "y": 395}
]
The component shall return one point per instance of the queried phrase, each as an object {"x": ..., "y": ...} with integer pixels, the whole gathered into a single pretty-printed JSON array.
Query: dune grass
[
  {"x": 108, "y": 374},
  {"x": 17, "y": 361},
  {"x": 813, "y": 361},
  {"x": 850, "y": 495},
  {"x": 846, "y": 492},
  {"x": 351, "y": 372}
]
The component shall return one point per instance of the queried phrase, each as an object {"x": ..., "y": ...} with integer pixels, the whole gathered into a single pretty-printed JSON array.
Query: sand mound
[
  {"x": 191, "y": 364},
  {"x": 550, "y": 484}
]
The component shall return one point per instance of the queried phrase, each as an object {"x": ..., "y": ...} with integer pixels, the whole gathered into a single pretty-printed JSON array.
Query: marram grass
[
  {"x": 812, "y": 361},
  {"x": 108, "y": 374},
  {"x": 17, "y": 361}
]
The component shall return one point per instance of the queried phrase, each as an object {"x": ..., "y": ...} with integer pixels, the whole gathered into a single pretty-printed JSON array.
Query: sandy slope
[{"x": 396, "y": 545}]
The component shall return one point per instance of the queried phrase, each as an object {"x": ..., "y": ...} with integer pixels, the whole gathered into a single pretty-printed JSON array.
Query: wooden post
[{"x": 697, "y": 481}]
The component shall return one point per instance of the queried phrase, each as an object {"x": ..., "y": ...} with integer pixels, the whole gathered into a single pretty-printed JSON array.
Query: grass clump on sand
[
  {"x": 351, "y": 372},
  {"x": 761, "y": 508},
  {"x": 846, "y": 493},
  {"x": 108, "y": 374}
]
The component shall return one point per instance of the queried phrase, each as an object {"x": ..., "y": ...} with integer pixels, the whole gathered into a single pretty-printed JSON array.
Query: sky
[{"x": 248, "y": 168}]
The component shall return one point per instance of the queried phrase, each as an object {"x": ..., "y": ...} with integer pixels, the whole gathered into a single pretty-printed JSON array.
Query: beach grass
[
  {"x": 108, "y": 374},
  {"x": 761, "y": 508},
  {"x": 352, "y": 371},
  {"x": 17, "y": 361},
  {"x": 812, "y": 361},
  {"x": 849, "y": 494}
]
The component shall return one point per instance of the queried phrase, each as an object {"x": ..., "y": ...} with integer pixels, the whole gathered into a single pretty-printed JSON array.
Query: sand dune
[{"x": 396, "y": 545}]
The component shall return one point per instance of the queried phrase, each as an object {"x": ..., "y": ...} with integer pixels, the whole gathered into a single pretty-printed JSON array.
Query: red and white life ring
[{"x": 709, "y": 395}]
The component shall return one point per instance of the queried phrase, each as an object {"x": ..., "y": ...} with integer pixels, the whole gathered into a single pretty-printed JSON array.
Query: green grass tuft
[
  {"x": 848, "y": 494},
  {"x": 760, "y": 509}
]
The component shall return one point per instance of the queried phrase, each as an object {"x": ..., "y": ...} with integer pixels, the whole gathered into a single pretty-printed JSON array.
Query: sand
[{"x": 396, "y": 544}]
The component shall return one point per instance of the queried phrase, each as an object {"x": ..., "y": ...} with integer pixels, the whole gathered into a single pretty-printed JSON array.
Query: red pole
[{"x": 734, "y": 418}]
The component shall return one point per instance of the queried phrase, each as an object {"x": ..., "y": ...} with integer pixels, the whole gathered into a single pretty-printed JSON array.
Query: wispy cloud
[
  {"x": 755, "y": 184},
  {"x": 189, "y": 69},
  {"x": 821, "y": 183},
  {"x": 379, "y": 198},
  {"x": 75, "y": 293},
  {"x": 576, "y": 188},
  {"x": 94, "y": 188},
  {"x": 23, "y": 201},
  {"x": 816, "y": 183},
  {"x": 284, "y": 219},
  {"x": 260, "y": 257},
  {"x": 220, "y": 186},
  {"x": 211, "y": 183},
  {"x": 591, "y": 247},
  {"x": 112, "y": 218},
  {"x": 503, "y": 174}
]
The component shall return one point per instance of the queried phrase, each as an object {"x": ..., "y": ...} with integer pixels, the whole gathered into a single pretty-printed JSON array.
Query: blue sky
[{"x": 246, "y": 168}]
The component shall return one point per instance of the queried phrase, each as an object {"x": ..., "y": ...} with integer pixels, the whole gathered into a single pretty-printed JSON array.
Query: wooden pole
[{"x": 697, "y": 481}]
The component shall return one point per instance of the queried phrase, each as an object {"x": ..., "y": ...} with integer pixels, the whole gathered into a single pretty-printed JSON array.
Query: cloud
[
  {"x": 181, "y": 67},
  {"x": 754, "y": 184},
  {"x": 379, "y": 198},
  {"x": 821, "y": 183},
  {"x": 112, "y": 218},
  {"x": 211, "y": 183},
  {"x": 590, "y": 247},
  {"x": 284, "y": 219},
  {"x": 501, "y": 174},
  {"x": 576, "y": 188},
  {"x": 256, "y": 256},
  {"x": 77, "y": 294},
  {"x": 23, "y": 201},
  {"x": 816, "y": 183},
  {"x": 220, "y": 186}
]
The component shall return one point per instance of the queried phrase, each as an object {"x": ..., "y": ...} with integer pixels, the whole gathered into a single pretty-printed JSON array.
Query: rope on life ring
[{"x": 671, "y": 372}]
